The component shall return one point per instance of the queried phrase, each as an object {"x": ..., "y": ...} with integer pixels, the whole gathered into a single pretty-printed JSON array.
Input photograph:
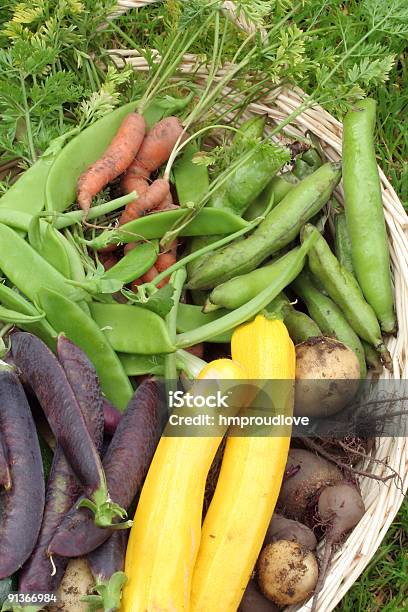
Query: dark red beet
[
  {"x": 126, "y": 463},
  {"x": 107, "y": 563},
  {"x": 111, "y": 417},
  {"x": 50, "y": 384},
  {"x": 22, "y": 507},
  {"x": 5, "y": 476},
  {"x": 340, "y": 508},
  {"x": 63, "y": 488}
]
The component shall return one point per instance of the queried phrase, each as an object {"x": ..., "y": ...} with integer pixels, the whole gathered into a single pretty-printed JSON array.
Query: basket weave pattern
[{"x": 382, "y": 500}]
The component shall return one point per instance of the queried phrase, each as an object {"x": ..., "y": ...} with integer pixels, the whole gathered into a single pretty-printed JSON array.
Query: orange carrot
[
  {"x": 167, "y": 203},
  {"x": 116, "y": 159},
  {"x": 159, "y": 143},
  {"x": 155, "y": 194},
  {"x": 108, "y": 260}
]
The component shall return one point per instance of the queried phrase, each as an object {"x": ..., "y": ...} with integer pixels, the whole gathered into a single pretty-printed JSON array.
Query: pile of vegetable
[{"x": 236, "y": 254}]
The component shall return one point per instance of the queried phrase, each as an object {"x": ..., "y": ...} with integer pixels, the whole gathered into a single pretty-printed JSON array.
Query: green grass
[{"x": 384, "y": 584}]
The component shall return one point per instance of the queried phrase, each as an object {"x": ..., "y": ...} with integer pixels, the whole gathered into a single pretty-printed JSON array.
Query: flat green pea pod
[
  {"x": 191, "y": 179},
  {"x": 328, "y": 317},
  {"x": 133, "y": 265},
  {"x": 207, "y": 222},
  {"x": 365, "y": 213},
  {"x": 48, "y": 243},
  {"x": 190, "y": 317},
  {"x": 343, "y": 288},
  {"x": 138, "y": 365},
  {"x": 68, "y": 318},
  {"x": 13, "y": 300},
  {"x": 132, "y": 329},
  {"x": 27, "y": 195},
  {"x": 279, "y": 228},
  {"x": 300, "y": 326},
  {"x": 28, "y": 271},
  {"x": 86, "y": 148},
  {"x": 240, "y": 289},
  {"x": 251, "y": 177},
  {"x": 342, "y": 243}
]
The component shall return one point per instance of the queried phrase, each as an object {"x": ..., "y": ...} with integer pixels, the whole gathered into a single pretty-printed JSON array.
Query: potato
[
  {"x": 287, "y": 573},
  {"x": 327, "y": 377},
  {"x": 77, "y": 581}
]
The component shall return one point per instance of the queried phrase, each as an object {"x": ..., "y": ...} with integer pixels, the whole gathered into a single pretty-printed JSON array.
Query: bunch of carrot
[{"x": 136, "y": 156}]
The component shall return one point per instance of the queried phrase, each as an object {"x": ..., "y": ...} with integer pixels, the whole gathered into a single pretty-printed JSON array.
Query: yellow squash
[
  {"x": 250, "y": 479},
  {"x": 166, "y": 533}
]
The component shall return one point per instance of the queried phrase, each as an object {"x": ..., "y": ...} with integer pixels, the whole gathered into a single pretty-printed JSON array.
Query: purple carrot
[
  {"x": 63, "y": 488},
  {"x": 111, "y": 416},
  {"x": 50, "y": 384},
  {"x": 5, "y": 476},
  {"x": 126, "y": 463},
  {"x": 23, "y": 505},
  {"x": 107, "y": 563}
]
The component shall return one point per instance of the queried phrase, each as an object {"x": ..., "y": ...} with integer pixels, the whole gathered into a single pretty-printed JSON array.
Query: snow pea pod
[
  {"x": 46, "y": 241},
  {"x": 27, "y": 195},
  {"x": 11, "y": 316},
  {"x": 28, "y": 271},
  {"x": 343, "y": 288},
  {"x": 365, "y": 213},
  {"x": 208, "y": 221},
  {"x": 135, "y": 263},
  {"x": 14, "y": 301},
  {"x": 138, "y": 365},
  {"x": 68, "y": 318},
  {"x": 241, "y": 289},
  {"x": 278, "y": 229},
  {"x": 85, "y": 149},
  {"x": 189, "y": 317},
  {"x": 132, "y": 329},
  {"x": 191, "y": 179},
  {"x": 342, "y": 243},
  {"x": 328, "y": 316}
]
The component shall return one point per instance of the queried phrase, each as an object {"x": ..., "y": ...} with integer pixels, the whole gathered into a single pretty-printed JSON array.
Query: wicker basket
[{"x": 382, "y": 500}]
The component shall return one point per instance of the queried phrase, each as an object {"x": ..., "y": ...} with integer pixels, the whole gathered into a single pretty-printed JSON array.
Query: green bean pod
[
  {"x": 365, "y": 213},
  {"x": 67, "y": 317},
  {"x": 328, "y": 317},
  {"x": 240, "y": 289},
  {"x": 191, "y": 179},
  {"x": 250, "y": 178},
  {"x": 300, "y": 326},
  {"x": 251, "y": 129},
  {"x": 278, "y": 229},
  {"x": 372, "y": 358},
  {"x": 28, "y": 271},
  {"x": 343, "y": 288},
  {"x": 132, "y": 329},
  {"x": 342, "y": 243},
  {"x": 275, "y": 191}
]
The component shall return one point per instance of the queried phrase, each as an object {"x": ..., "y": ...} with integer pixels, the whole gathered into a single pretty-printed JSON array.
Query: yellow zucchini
[
  {"x": 166, "y": 532},
  {"x": 250, "y": 479}
]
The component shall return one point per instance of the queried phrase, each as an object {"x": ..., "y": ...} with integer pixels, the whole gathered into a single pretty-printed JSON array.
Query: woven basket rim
[{"x": 382, "y": 500}]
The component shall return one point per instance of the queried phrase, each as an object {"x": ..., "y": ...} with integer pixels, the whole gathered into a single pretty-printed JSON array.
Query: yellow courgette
[
  {"x": 250, "y": 479},
  {"x": 166, "y": 533}
]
